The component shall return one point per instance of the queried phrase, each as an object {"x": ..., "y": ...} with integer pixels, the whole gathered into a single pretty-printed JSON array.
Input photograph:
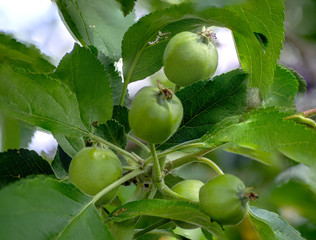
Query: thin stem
[
  {"x": 116, "y": 148},
  {"x": 117, "y": 183},
  {"x": 151, "y": 227},
  {"x": 210, "y": 163},
  {"x": 139, "y": 143},
  {"x": 157, "y": 171},
  {"x": 152, "y": 192},
  {"x": 123, "y": 93},
  {"x": 185, "y": 145},
  {"x": 309, "y": 112}
]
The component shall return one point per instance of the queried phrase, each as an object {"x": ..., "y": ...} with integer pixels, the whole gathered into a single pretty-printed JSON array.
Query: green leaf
[
  {"x": 61, "y": 163},
  {"x": 120, "y": 114},
  {"x": 207, "y": 103},
  {"x": 115, "y": 78},
  {"x": 270, "y": 226},
  {"x": 113, "y": 132},
  {"x": 302, "y": 83},
  {"x": 266, "y": 131},
  {"x": 17, "y": 164},
  {"x": 44, "y": 208},
  {"x": 86, "y": 77},
  {"x": 70, "y": 145},
  {"x": 10, "y": 133},
  {"x": 177, "y": 210},
  {"x": 127, "y": 6},
  {"x": 142, "y": 54},
  {"x": 17, "y": 54},
  {"x": 283, "y": 90},
  {"x": 98, "y": 23},
  {"x": 40, "y": 100},
  {"x": 266, "y": 21}
]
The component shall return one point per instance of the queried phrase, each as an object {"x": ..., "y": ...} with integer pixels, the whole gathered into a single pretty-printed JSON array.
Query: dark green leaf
[
  {"x": 17, "y": 164},
  {"x": 40, "y": 100},
  {"x": 120, "y": 114},
  {"x": 302, "y": 85},
  {"x": 113, "y": 132},
  {"x": 99, "y": 23},
  {"x": 126, "y": 6},
  {"x": 44, "y": 208},
  {"x": 265, "y": 132},
  {"x": 87, "y": 79},
  {"x": 17, "y": 54},
  {"x": 172, "y": 209},
  {"x": 207, "y": 103},
  {"x": 283, "y": 89},
  {"x": 61, "y": 163},
  {"x": 270, "y": 226}
]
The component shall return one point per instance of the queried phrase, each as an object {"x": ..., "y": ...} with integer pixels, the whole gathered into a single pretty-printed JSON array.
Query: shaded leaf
[
  {"x": 44, "y": 208},
  {"x": 115, "y": 78},
  {"x": 177, "y": 210},
  {"x": 16, "y": 164},
  {"x": 283, "y": 90},
  {"x": 61, "y": 163},
  {"x": 113, "y": 132},
  {"x": 208, "y": 102},
  {"x": 98, "y": 23},
  {"x": 17, "y": 54},
  {"x": 127, "y": 6},
  {"x": 85, "y": 76},
  {"x": 120, "y": 114},
  {"x": 271, "y": 226}
]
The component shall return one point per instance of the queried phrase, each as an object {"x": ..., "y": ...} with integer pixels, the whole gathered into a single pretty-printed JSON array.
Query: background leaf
[
  {"x": 283, "y": 90},
  {"x": 113, "y": 132},
  {"x": 17, "y": 54},
  {"x": 126, "y": 6},
  {"x": 44, "y": 208},
  {"x": 17, "y": 164},
  {"x": 270, "y": 226},
  {"x": 208, "y": 102},
  {"x": 98, "y": 23},
  {"x": 177, "y": 210},
  {"x": 86, "y": 78}
]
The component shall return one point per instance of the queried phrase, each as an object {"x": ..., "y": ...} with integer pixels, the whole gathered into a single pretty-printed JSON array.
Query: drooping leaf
[
  {"x": 270, "y": 226},
  {"x": 266, "y": 22},
  {"x": 144, "y": 42},
  {"x": 127, "y": 6},
  {"x": 113, "y": 132},
  {"x": 61, "y": 163},
  {"x": 267, "y": 131},
  {"x": 302, "y": 85},
  {"x": 40, "y": 100},
  {"x": 177, "y": 210},
  {"x": 70, "y": 144},
  {"x": 17, "y": 54},
  {"x": 17, "y": 164},
  {"x": 44, "y": 208},
  {"x": 283, "y": 90},
  {"x": 85, "y": 76},
  {"x": 98, "y": 23},
  {"x": 207, "y": 103}
]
